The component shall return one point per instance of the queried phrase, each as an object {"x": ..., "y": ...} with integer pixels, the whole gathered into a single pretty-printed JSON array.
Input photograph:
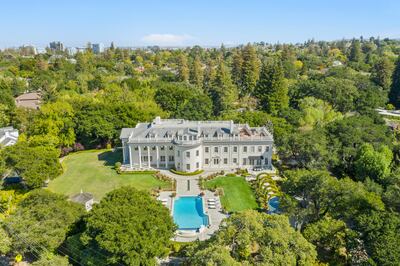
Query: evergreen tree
[
  {"x": 183, "y": 69},
  {"x": 382, "y": 73},
  {"x": 395, "y": 88},
  {"x": 272, "y": 88},
  {"x": 209, "y": 75},
  {"x": 355, "y": 51},
  {"x": 223, "y": 92},
  {"x": 250, "y": 70},
  {"x": 196, "y": 73},
  {"x": 237, "y": 64}
]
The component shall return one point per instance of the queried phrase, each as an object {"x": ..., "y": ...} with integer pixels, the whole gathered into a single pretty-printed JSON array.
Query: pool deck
[{"x": 189, "y": 186}]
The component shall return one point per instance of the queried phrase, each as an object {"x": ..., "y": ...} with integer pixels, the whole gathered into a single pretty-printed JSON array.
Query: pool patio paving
[{"x": 189, "y": 186}]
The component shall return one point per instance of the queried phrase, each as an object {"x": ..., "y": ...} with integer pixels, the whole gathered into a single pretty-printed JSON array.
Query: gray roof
[
  {"x": 8, "y": 135},
  {"x": 163, "y": 128},
  {"x": 82, "y": 197}
]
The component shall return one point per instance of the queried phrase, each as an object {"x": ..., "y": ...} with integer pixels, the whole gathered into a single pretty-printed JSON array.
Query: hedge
[{"x": 186, "y": 173}]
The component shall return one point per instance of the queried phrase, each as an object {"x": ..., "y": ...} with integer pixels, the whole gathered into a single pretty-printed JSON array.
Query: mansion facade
[{"x": 196, "y": 145}]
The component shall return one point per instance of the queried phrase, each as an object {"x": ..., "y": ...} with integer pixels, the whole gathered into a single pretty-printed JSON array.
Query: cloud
[{"x": 166, "y": 39}]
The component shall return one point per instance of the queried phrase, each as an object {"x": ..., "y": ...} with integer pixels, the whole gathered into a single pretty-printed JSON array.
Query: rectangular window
[
  {"x": 235, "y": 149},
  {"x": 225, "y": 149},
  {"x": 178, "y": 153},
  {"x": 185, "y": 138},
  {"x": 252, "y": 148},
  {"x": 171, "y": 158},
  {"x": 244, "y": 161},
  {"x": 162, "y": 148},
  {"x": 244, "y": 148},
  {"x": 197, "y": 165},
  {"x": 234, "y": 160},
  {"x": 225, "y": 160},
  {"x": 205, "y": 161},
  {"x": 188, "y": 154},
  {"x": 197, "y": 153},
  {"x": 162, "y": 158},
  {"x": 136, "y": 148},
  {"x": 259, "y": 148},
  {"x": 207, "y": 149},
  {"x": 215, "y": 149},
  {"x": 267, "y": 149},
  {"x": 216, "y": 161},
  {"x": 153, "y": 148},
  {"x": 188, "y": 167},
  {"x": 171, "y": 148}
]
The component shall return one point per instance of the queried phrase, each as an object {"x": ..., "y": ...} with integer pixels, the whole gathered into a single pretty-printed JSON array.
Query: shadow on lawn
[{"x": 109, "y": 158}]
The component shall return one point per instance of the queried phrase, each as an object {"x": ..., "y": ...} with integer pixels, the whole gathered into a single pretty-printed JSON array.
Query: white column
[
  {"x": 158, "y": 157},
  {"x": 230, "y": 163},
  {"x": 140, "y": 157},
  {"x": 148, "y": 157},
  {"x": 166, "y": 156},
  {"x": 130, "y": 155},
  {"x": 239, "y": 157},
  {"x": 123, "y": 152}
]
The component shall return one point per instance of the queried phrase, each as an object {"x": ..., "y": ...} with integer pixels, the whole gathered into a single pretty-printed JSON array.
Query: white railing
[{"x": 197, "y": 141}]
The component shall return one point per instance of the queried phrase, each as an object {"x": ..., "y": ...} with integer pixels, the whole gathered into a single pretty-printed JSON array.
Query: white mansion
[{"x": 193, "y": 145}]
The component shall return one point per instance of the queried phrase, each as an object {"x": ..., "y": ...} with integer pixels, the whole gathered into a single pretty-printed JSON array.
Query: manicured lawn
[
  {"x": 92, "y": 171},
  {"x": 238, "y": 195}
]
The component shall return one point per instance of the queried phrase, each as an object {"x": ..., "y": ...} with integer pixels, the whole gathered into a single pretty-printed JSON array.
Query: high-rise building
[
  {"x": 98, "y": 48},
  {"x": 57, "y": 46}
]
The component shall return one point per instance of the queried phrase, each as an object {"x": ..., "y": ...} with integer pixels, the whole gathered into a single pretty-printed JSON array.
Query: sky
[{"x": 189, "y": 22}]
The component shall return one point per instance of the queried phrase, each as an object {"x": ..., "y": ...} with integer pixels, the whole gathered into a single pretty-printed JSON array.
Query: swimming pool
[
  {"x": 188, "y": 213},
  {"x": 273, "y": 205}
]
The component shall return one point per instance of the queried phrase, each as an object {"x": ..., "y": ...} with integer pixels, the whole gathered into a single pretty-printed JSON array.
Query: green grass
[
  {"x": 238, "y": 195},
  {"x": 92, "y": 171}
]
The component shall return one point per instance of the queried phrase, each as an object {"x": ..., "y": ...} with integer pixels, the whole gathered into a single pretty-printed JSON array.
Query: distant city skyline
[{"x": 206, "y": 23}]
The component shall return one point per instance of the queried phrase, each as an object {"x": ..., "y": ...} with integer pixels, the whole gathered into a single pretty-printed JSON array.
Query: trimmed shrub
[{"x": 186, "y": 173}]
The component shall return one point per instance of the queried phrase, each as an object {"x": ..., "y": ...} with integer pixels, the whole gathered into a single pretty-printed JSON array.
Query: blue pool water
[
  {"x": 273, "y": 205},
  {"x": 188, "y": 213}
]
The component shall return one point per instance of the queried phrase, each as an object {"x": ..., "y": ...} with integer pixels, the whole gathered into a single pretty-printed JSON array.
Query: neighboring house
[
  {"x": 8, "y": 136},
  {"x": 195, "y": 145},
  {"x": 30, "y": 100},
  {"x": 84, "y": 198},
  {"x": 337, "y": 63}
]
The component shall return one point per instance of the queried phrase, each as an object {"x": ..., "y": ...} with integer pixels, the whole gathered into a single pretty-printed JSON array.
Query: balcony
[{"x": 187, "y": 142}]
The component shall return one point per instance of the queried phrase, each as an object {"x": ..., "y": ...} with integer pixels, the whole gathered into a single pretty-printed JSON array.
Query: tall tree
[
  {"x": 223, "y": 92},
  {"x": 394, "y": 95},
  {"x": 183, "y": 69},
  {"x": 250, "y": 70},
  {"x": 209, "y": 75},
  {"x": 196, "y": 72},
  {"x": 272, "y": 88},
  {"x": 253, "y": 238},
  {"x": 130, "y": 226},
  {"x": 34, "y": 164},
  {"x": 382, "y": 73},
  {"x": 355, "y": 51},
  {"x": 372, "y": 163},
  {"x": 41, "y": 222},
  {"x": 237, "y": 64}
]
